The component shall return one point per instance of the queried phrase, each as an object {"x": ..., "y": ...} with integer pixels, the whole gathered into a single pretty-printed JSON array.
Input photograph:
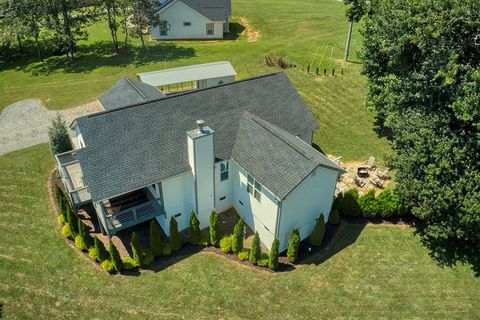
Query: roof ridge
[
  {"x": 184, "y": 94},
  {"x": 136, "y": 88},
  {"x": 259, "y": 122}
]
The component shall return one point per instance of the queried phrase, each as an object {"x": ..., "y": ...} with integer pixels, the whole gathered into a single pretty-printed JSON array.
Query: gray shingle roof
[
  {"x": 274, "y": 157},
  {"x": 131, "y": 147},
  {"x": 127, "y": 92},
  {"x": 215, "y": 10}
]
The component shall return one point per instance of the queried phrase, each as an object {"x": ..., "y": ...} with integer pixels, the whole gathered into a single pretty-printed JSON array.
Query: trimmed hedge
[
  {"x": 386, "y": 204},
  {"x": 318, "y": 232},
  {"x": 255, "y": 251},
  {"x": 293, "y": 245},
  {"x": 237, "y": 237},
  {"x": 194, "y": 229}
]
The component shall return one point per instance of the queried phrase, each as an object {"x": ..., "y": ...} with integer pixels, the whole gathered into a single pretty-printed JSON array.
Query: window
[
  {"x": 187, "y": 23},
  {"x": 224, "y": 171},
  {"x": 254, "y": 188},
  {"x": 163, "y": 28},
  {"x": 178, "y": 215},
  {"x": 223, "y": 198},
  {"x": 210, "y": 29}
]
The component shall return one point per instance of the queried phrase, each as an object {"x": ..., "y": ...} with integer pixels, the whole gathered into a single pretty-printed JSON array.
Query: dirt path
[
  {"x": 25, "y": 123},
  {"x": 252, "y": 35}
]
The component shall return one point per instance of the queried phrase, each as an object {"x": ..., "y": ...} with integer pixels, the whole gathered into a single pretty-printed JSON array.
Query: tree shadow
[
  {"x": 381, "y": 130},
  {"x": 235, "y": 30},
  {"x": 451, "y": 252},
  {"x": 99, "y": 54},
  {"x": 336, "y": 239}
]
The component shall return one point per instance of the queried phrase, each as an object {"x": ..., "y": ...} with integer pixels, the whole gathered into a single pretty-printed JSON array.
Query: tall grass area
[
  {"x": 372, "y": 271},
  {"x": 307, "y": 32}
]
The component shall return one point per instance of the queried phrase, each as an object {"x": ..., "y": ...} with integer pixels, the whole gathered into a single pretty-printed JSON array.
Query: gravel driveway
[{"x": 25, "y": 123}]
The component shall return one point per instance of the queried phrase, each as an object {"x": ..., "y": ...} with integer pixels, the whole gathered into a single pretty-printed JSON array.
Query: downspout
[{"x": 279, "y": 215}]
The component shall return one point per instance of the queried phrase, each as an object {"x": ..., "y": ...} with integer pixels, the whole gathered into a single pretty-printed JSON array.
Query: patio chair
[
  {"x": 370, "y": 163},
  {"x": 359, "y": 182},
  {"x": 382, "y": 174},
  {"x": 376, "y": 182}
]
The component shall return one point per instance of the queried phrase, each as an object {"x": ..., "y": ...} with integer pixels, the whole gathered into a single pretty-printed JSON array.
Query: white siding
[
  {"x": 260, "y": 216},
  {"x": 307, "y": 137},
  {"x": 223, "y": 188},
  {"x": 178, "y": 13},
  {"x": 305, "y": 203},
  {"x": 214, "y": 82},
  {"x": 78, "y": 141},
  {"x": 177, "y": 198}
]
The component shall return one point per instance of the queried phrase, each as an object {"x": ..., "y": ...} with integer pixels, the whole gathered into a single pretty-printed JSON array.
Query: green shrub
[
  {"x": 108, "y": 266},
  {"x": 273, "y": 257},
  {"x": 226, "y": 244},
  {"x": 148, "y": 257},
  {"x": 389, "y": 204},
  {"x": 243, "y": 255},
  {"x": 369, "y": 205},
  {"x": 237, "y": 237},
  {"x": 83, "y": 233},
  {"x": 214, "y": 229},
  {"x": 61, "y": 219},
  {"x": 334, "y": 217},
  {"x": 80, "y": 243},
  {"x": 194, "y": 229},
  {"x": 318, "y": 232},
  {"x": 136, "y": 249},
  {"x": 115, "y": 257},
  {"x": 347, "y": 204},
  {"x": 167, "y": 249},
  {"x": 67, "y": 232},
  {"x": 101, "y": 250},
  {"x": 205, "y": 240},
  {"x": 293, "y": 245},
  {"x": 175, "y": 240},
  {"x": 156, "y": 244},
  {"x": 93, "y": 253},
  {"x": 72, "y": 221},
  {"x": 255, "y": 251},
  {"x": 262, "y": 263},
  {"x": 58, "y": 134},
  {"x": 129, "y": 263}
]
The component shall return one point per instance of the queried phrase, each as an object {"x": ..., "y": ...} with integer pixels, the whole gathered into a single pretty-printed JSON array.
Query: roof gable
[
  {"x": 131, "y": 147},
  {"x": 214, "y": 10}
]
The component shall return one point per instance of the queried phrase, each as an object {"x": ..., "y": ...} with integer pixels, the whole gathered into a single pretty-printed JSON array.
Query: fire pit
[{"x": 362, "y": 172}]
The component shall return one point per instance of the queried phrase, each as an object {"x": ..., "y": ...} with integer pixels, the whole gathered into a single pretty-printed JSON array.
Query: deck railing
[
  {"x": 135, "y": 215},
  {"x": 80, "y": 196}
]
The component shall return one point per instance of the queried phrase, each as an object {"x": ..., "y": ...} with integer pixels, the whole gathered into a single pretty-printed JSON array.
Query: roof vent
[{"x": 200, "y": 125}]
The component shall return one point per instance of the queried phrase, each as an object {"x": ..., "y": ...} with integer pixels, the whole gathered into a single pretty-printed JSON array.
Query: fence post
[
  {"x": 333, "y": 72},
  {"x": 324, "y": 72}
]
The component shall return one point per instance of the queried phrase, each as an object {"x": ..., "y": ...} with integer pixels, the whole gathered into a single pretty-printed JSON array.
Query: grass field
[
  {"x": 309, "y": 32},
  {"x": 371, "y": 271}
]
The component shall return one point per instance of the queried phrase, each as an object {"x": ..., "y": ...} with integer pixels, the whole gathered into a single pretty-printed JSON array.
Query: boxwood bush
[
  {"x": 67, "y": 232},
  {"x": 262, "y": 263},
  {"x": 108, "y": 266},
  {"x": 243, "y": 255},
  {"x": 226, "y": 244},
  {"x": 129, "y": 263}
]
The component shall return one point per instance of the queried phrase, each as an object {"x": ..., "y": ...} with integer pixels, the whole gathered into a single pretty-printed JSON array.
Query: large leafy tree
[{"x": 422, "y": 59}]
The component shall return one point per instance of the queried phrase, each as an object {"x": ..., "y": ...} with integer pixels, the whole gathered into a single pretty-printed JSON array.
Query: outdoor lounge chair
[
  {"x": 376, "y": 182},
  {"x": 359, "y": 182},
  {"x": 370, "y": 163}
]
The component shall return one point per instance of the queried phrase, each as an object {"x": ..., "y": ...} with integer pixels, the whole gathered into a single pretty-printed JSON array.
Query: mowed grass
[
  {"x": 307, "y": 32},
  {"x": 366, "y": 272}
]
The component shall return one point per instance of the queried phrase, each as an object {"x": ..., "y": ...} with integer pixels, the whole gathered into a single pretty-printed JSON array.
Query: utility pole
[{"x": 349, "y": 38}]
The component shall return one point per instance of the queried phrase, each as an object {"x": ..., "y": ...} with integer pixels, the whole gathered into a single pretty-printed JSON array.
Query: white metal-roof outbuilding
[{"x": 198, "y": 72}]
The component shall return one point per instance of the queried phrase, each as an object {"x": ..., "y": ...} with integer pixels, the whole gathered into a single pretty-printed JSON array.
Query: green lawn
[
  {"x": 306, "y": 32},
  {"x": 366, "y": 272}
]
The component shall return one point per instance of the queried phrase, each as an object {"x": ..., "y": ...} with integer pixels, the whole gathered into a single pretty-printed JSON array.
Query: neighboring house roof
[
  {"x": 214, "y": 10},
  {"x": 127, "y": 92},
  {"x": 132, "y": 147},
  {"x": 195, "y": 72},
  {"x": 274, "y": 157}
]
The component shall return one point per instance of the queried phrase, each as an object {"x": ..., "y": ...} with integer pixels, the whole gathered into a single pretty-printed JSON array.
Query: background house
[
  {"x": 193, "y": 19},
  {"x": 156, "y": 160}
]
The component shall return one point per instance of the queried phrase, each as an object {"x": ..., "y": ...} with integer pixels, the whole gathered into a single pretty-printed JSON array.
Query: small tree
[
  {"x": 175, "y": 240},
  {"x": 214, "y": 229},
  {"x": 136, "y": 249},
  {"x": 115, "y": 257},
  {"x": 255, "y": 251},
  {"x": 102, "y": 253},
  {"x": 84, "y": 234},
  {"x": 237, "y": 237},
  {"x": 293, "y": 245},
  {"x": 316, "y": 237},
  {"x": 194, "y": 230},
  {"x": 156, "y": 244},
  {"x": 334, "y": 217},
  {"x": 59, "y": 138},
  {"x": 273, "y": 257}
]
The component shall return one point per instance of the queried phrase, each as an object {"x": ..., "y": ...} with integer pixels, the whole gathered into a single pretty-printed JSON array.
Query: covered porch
[
  {"x": 127, "y": 210},
  {"x": 72, "y": 178}
]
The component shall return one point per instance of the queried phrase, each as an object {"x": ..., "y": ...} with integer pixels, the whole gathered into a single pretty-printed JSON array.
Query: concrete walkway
[{"x": 25, "y": 123}]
